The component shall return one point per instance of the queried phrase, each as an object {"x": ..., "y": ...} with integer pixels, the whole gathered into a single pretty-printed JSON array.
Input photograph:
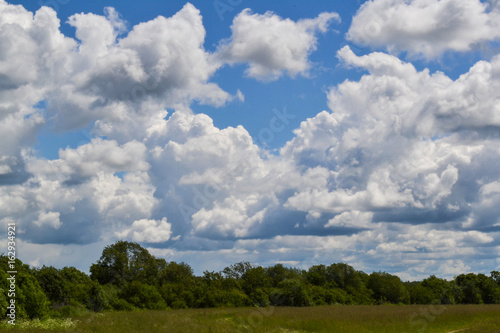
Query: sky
[{"x": 215, "y": 132}]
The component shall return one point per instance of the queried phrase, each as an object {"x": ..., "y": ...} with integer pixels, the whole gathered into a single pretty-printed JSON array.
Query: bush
[
  {"x": 260, "y": 298},
  {"x": 120, "y": 304},
  {"x": 142, "y": 296},
  {"x": 69, "y": 311},
  {"x": 32, "y": 300},
  {"x": 178, "y": 304}
]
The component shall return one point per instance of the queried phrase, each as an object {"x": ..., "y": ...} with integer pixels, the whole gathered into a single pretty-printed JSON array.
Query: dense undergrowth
[{"x": 127, "y": 277}]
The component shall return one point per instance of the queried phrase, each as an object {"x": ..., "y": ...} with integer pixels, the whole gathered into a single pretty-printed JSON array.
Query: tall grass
[{"x": 421, "y": 319}]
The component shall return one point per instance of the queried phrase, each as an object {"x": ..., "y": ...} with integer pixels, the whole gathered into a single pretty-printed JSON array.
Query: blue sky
[{"x": 227, "y": 131}]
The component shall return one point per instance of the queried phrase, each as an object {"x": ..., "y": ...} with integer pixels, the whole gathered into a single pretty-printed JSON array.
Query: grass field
[{"x": 442, "y": 319}]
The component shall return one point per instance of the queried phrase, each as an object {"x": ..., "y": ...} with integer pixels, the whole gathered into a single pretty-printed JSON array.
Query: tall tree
[
  {"x": 53, "y": 284},
  {"x": 124, "y": 262},
  {"x": 495, "y": 275},
  {"x": 388, "y": 288}
]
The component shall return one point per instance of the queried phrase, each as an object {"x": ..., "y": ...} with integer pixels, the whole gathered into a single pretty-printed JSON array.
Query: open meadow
[{"x": 386, "y": 318}]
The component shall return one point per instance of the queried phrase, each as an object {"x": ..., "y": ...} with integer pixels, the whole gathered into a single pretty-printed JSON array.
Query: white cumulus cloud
[
  {"x": 273, "y": 46},
  {"x": 150, "y": 231},
  {"x": 425, "y": 28},
  {"x": 50, "y": 219}
]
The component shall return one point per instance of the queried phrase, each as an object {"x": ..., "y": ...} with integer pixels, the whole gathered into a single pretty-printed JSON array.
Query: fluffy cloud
[
  {"x": 217, "y": 178},
  {"x": 397, "y": 171},
  {"x": 425, "y": 28},
  {"x": 33, "y": 40},
  {"x": 404, "y": 146},
  {"x": 271, "y": 45},
  {"x": 105, "y": 155},
  {"x": 89, "y": 159},
  {"x": 50, "y": 219},
  {"x": 32, "y": 52},
  {"x": 118, "y": 82},
  {"x": 149, "y": 231},
  {"x": 351, "y": 219},
  {"x": 97, "y": 187},
  {"x": 397, "y": 138}
]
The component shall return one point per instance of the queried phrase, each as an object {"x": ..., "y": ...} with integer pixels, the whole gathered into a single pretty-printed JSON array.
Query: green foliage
[
  {"x": 343, "y": 276},
  {"x": 495, "y": 275},
  {"x": 279, "y": 273},
  {"x": 259, "y": 297},
  {"x": 119, "y": 304},
  {"x": 3, "y": 293},
  {"x": 128, "y": 277},
  {"x": 236, "y": 298},
  {"x": 142, "y": 296},
  {"x": 388, "y": 288},
  {"x": 255, "y": 278},
  {"x": 477, "y": 289},
  {"x": 178, "y": 295},
  {"x": 433, "y": 291},
  {"x": 490, "y": 293},
  {"x": 52, "y": 283},
  {"x": 213, "y": 279},
  {"x": 294, "y": 293},
  {"x": 125, "y": 262},
  {"x": 96, "y": 300},
  {"x": 469, "y": 289},
  {"x": 175, "y": 273},
  {"x": 33, "y": 302},
  {"x": 317, "y": 275},
  {"x": 3, "y": 303},
  {"x": 236, "y": 271},
  {"x": 338, "y": 296},
  {"x": 419, "y": 294}
]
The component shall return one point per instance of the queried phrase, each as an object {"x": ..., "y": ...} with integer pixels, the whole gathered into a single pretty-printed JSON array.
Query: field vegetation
[
  {"x": 127, "y": 280},
  {"x": 336, "y": 318}
]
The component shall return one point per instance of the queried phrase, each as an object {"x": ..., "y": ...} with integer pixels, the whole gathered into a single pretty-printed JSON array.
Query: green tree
[
  {"x": 488, "y": 288},
  {"x": 3, "y": 293},
  {"x": 317, "y": 275},
  {"x": 388, "y": 288},
  {"x": 237, "y": 270},
  {"x": 441, "y": 291},
  {"x": 255, "y": 278},
  {"x": 33, "y": 302},
  {"x": 78, "y": 287},
  {"x": 354, "y": 282},
  {"x": 142, "y": 296},
  {"x": 213, "y": 279},
  {"x": 419, "y": 294},
  {"x": 345, "y": 276},
  {"x": 495, "y": 275},
  {"x": 293, "y": 293},
  {"x": 254, "y": 283},
  {"x": 125, "y": 262},
  {"x": 469, "y": 288},
  {"x": 177, "y": 296},
  {"x": 96, "y": 299},
  {"x": 175, "y": 273},
  {"x": 53, "y": 284},
  {"x": 279, "y": 273}
]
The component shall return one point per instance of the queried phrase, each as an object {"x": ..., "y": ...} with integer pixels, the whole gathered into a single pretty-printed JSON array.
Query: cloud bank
[{"x": 396, "y": 175}]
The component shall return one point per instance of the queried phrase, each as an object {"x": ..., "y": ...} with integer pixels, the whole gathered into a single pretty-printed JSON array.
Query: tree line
[{"x": 128, "y": 277}]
